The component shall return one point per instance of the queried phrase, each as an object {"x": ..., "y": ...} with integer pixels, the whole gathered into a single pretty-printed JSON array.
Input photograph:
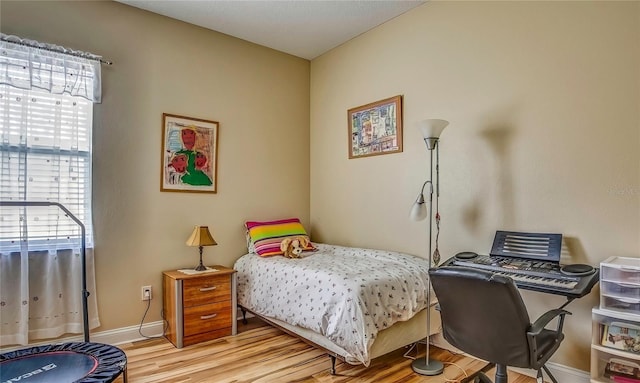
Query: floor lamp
[{"x": 431, "y": 130}]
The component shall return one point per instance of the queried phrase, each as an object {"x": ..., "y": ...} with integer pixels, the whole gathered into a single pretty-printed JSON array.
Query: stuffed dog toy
[{"x": 293, "y": 246}]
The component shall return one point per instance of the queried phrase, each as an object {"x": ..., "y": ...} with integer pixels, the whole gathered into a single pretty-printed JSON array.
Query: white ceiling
[{"x": 303, "y": 28}]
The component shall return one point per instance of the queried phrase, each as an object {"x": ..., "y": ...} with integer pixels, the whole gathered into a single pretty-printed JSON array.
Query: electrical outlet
[{"x": 146, "y": 293}]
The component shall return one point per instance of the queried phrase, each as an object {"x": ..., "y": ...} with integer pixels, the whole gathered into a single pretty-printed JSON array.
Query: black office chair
[{"x": 483, "y": 315}]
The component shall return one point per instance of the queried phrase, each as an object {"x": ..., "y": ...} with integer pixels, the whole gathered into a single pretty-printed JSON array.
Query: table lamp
[{"x": 201, "y": 237}]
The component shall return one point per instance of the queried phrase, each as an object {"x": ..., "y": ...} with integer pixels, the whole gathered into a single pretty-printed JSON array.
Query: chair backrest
[{"x": 482, "y": 314}]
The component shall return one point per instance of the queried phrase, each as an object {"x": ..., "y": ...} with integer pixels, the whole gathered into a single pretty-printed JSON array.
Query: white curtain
[
  {"x": 28, "y": 64},
  {"x": 40, "y": 295},
  {"x": 46, "y": 117}
]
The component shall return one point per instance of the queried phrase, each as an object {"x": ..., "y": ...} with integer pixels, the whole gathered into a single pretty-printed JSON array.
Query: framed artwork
[
  {"x": 189, "y": 154},
  {"x": 375, "y": 128}
]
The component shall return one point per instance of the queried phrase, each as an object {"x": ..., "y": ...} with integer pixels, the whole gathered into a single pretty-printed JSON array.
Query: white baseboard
[
  {"x": 112, "y": 337},
  {"x": 129, "y": 334}
]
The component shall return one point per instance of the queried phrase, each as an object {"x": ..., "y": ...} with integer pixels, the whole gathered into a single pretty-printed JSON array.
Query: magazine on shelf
[
  {"x": 622, "y": 371},
  {"x": 622, "y": 336},
  {"x": 622, "y": 379}
]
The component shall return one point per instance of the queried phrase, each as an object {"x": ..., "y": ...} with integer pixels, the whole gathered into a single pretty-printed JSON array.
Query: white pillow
[{"x": 250, "y": 246}]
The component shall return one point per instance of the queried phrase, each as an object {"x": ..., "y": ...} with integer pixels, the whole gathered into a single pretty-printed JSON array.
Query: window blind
[{"x": 45, "y": 152}]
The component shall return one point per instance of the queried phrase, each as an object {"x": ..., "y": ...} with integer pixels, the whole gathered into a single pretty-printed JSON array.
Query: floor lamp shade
[
  {"x": 431, "y": 130},
  {"x": 201, "y": 237}
]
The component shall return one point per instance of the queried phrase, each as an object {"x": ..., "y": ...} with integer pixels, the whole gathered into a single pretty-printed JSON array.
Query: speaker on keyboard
[{"x": 577, "y": 269}]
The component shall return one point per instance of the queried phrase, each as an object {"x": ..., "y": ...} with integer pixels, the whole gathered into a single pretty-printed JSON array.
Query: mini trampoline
[
  {"x": 66, "y": 362},
  {"x": 74, "y": 362}
]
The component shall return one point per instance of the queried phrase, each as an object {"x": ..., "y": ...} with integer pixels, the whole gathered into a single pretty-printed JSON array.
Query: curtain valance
[{"x": 28, "y": 64}]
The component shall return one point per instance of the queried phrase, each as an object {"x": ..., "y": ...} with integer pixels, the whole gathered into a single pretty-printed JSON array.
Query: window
[
  {"x": 45, "y": 152},
  {"x": 46, "y": 116}
]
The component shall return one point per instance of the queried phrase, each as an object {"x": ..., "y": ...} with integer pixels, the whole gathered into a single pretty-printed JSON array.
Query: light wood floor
[{"x": 261, "y": 353}]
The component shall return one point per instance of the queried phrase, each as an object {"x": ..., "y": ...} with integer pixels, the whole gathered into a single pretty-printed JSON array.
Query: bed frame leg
[
  {"x": 333, "y": 364},
  {"x": 244, "y": 315}
]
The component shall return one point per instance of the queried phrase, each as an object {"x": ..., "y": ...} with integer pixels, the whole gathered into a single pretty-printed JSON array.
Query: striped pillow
[{"x": 266, "y": 236}]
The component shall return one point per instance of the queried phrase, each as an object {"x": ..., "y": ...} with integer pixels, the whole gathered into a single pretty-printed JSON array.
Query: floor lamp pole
[{"x": 429, "y": 366}]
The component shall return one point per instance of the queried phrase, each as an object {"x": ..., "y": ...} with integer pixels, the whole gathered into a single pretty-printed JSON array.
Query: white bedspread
[{"x": 346, "y": 294}]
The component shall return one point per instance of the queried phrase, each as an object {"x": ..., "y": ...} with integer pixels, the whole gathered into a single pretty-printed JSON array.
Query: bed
[{"x": 354, "y": 303}]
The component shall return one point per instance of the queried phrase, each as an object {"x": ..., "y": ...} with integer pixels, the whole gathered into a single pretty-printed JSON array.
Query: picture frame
[
  {"x": 189, "y": 154},
  {"x": 621, "y": 336},
  {"x": 375, "y": 128}
]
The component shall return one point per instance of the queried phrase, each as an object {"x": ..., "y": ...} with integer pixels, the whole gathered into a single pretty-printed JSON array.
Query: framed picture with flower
[{"x": 189, "y": 154}]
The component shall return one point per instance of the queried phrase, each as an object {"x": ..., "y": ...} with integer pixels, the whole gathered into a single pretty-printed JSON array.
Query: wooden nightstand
[{"x": 199, "y": 307}]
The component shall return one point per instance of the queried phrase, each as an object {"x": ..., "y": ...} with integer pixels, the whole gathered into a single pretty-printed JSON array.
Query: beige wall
[
  {"x": 543, "y": 100},
  {"x": 544, "y": 104},
  {"x": 259, "y": 96}
]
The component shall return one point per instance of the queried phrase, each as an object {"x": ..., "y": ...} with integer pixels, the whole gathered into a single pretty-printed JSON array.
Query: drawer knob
[
  {"x": 207, "y": 288},
  {"x": 205, "y": 317}
]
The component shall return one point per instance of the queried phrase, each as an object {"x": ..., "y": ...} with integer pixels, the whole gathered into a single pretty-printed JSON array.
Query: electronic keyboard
[
  {"x": 533, "y": 262},
  {"x": 545, "y": 277}
]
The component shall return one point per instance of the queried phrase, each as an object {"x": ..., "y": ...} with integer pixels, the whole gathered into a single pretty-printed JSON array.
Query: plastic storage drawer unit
[
  {"x": 623, "y": 290},
  {"x": 620, "y": 284}
]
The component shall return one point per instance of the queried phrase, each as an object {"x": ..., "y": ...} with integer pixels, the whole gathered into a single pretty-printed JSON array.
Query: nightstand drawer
[
  {"x": 204, "y": 318},
  {"x": 203, "y": 291}
]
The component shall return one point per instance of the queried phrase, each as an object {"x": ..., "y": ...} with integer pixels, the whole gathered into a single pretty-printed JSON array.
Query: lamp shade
[
  {"x": 418, "y": 211},
  {"x": 201, "y": 237},
  {"x": 432, "y": 128}
]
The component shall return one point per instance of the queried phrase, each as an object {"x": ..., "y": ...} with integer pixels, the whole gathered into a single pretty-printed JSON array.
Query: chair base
[
  {"x": 540, "y": 377},
  {"x": 501, "y": 375},
  {"x": 479, "y": 375},
  {"x": 482, "y": 378}
]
